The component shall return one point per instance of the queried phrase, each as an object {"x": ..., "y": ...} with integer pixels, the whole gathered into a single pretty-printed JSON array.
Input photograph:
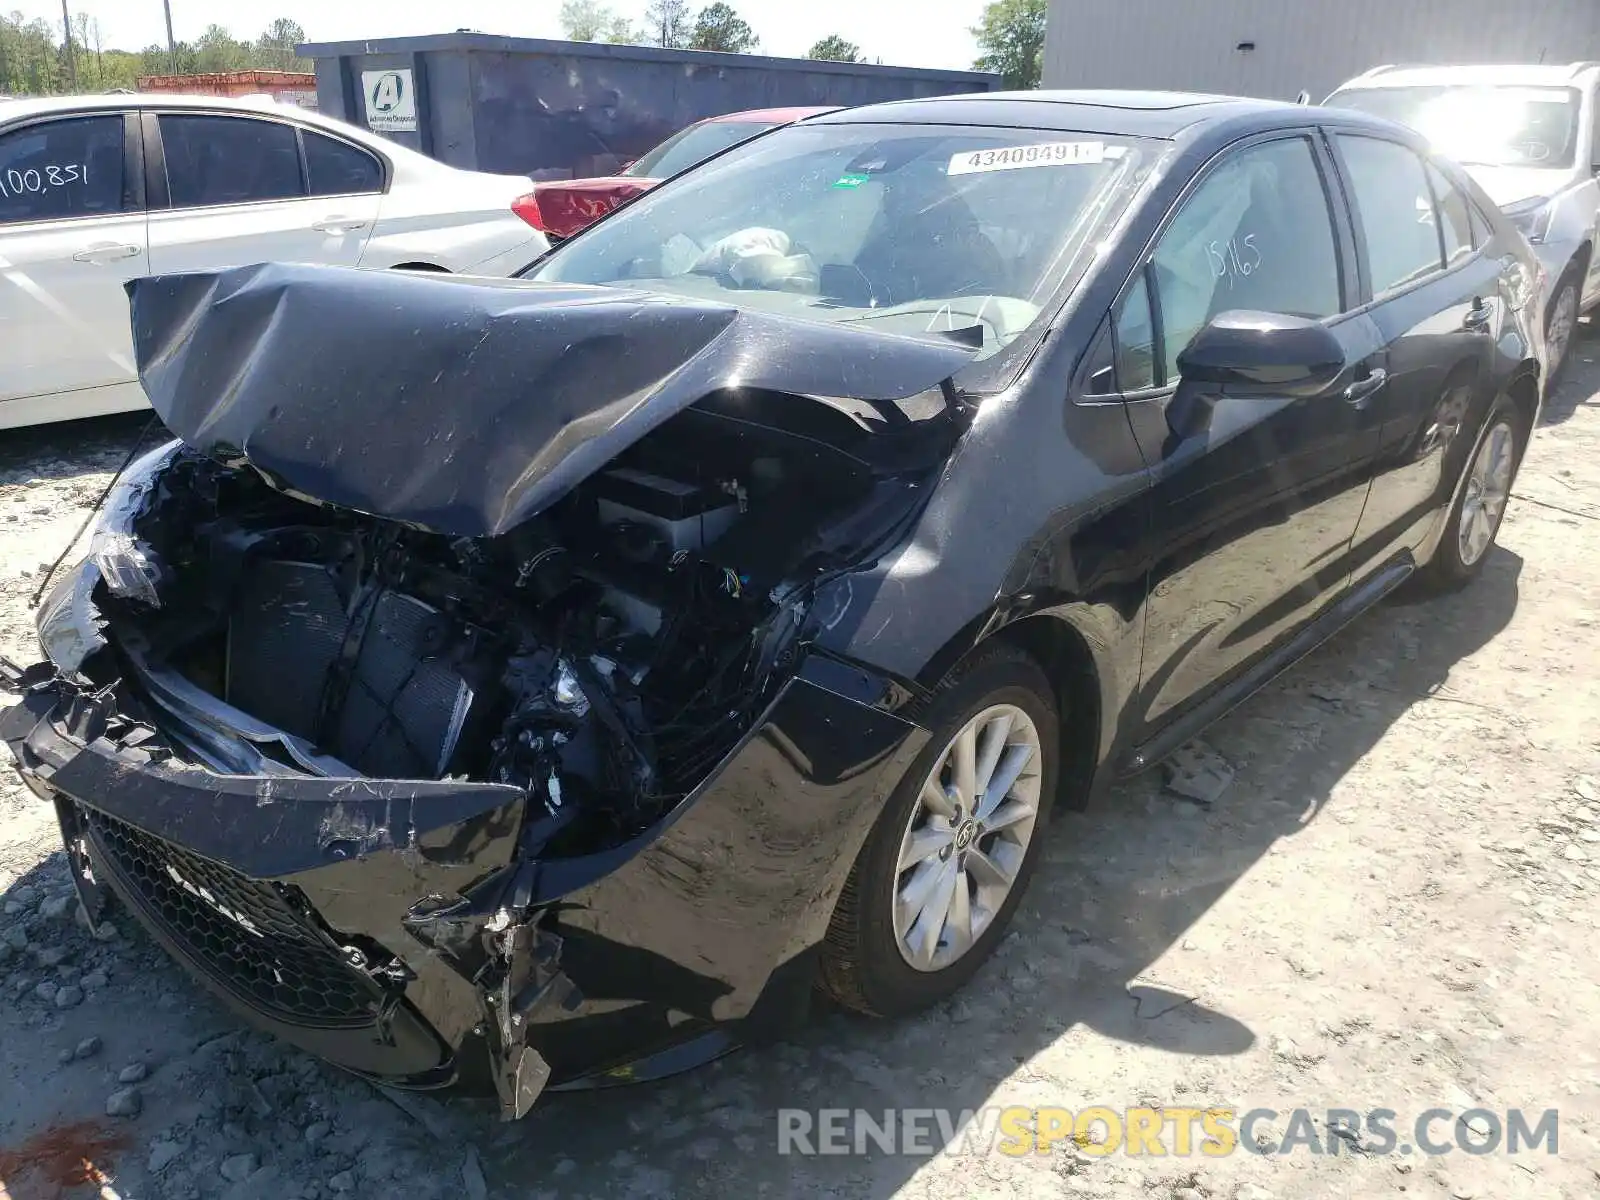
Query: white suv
[
  {"x": 98, "y": 190},
  {"x": 1531, "y": 136}
]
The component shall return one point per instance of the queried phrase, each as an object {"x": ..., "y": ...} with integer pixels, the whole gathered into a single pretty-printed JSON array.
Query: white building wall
[{"x": 1315, "y": 45}]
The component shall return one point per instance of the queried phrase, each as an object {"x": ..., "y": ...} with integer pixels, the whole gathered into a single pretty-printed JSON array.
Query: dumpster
[{"x": 558, "y": 110}]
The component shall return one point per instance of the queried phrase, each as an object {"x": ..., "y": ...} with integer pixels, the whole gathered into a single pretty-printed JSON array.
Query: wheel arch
[
  {"x": 1523, "y": 391},
  {"x": 1064, "y": 643},
  {"x": 1582, "y": 260}
]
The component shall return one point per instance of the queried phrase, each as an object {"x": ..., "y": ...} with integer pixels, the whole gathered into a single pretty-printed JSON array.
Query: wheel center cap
[{"x": 965, "y": 834}]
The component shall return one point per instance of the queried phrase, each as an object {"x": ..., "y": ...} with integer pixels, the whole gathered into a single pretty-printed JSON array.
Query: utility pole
[
  {"x": 172, "y": 45},
  {"x": 72, "y": 62}
]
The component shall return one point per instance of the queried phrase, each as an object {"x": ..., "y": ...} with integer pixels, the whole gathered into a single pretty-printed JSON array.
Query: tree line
[
  {"x": 34, "y": 59},
  {"x": 1010, "y": 36}
]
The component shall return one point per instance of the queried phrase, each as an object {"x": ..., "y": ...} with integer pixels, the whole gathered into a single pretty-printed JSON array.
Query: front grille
[{"x": 246, "y": 935}]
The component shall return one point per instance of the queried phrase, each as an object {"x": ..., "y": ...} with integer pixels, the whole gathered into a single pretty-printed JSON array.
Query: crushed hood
[{"x": 467, "y": 405}]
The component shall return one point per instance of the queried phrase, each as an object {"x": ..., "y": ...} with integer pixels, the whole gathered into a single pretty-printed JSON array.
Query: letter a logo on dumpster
[
  {"x": 391, "y": 101},
  {"x": 386, "y": 96}
]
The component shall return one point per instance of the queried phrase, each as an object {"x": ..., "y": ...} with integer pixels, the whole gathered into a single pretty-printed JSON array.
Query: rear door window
[
  {"x": 1394, "y": 211},
  {"x": 214, "y": 160},
  {"x": 1481, "y": 229},
  {"x": 58, "y": 169},
  {"x": 1455, "y": 219},
  {"x": 337, "y": 168}
]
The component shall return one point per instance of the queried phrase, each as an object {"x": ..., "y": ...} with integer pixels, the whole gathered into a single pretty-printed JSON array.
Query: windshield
[
  {"x": 1481, "y": 126},
  {"x": 910, "y": 230},
  {"x": 694, "y": 145}
]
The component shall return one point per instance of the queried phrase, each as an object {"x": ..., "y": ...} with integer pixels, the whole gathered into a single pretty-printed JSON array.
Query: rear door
[
  {"x": 229, "y": 190},
  {"x": 72, "y": 232},
  {"x": 1438, "y": 303},
  {"x": 1254, "y": 513}
]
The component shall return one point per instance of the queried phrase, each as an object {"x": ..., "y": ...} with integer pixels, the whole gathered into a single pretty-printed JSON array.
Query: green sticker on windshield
[{"x": 852, "y": 179}]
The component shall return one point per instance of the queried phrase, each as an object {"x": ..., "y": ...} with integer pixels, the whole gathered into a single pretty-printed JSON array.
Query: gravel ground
[{"x": 1393, "y": 905}]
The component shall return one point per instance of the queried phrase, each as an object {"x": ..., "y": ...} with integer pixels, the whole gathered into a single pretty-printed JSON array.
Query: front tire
[
  {"x": 1561, "y": 324},
  {"x": 942, "y": 872},
  {"x": 1480, "y": 504}
]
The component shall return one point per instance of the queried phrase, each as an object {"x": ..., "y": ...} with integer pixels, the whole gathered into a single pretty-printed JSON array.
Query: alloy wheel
[
  {"x": 1488, "y": 488},
  {"x": 967, "y": 836}
]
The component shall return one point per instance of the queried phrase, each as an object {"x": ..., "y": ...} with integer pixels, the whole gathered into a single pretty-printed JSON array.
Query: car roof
[
  {"x": 1488, "y": 74},
  {"x": 43, "y": 106},
  {"x": 1130, "y": 113},
  {"x": 773, "y": 116}
]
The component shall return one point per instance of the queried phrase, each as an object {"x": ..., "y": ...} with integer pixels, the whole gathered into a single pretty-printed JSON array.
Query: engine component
[
  {"x": 284, "y": 636},
  {"x": 687, "y": 516},
  {"x": 376, "y": 683}
]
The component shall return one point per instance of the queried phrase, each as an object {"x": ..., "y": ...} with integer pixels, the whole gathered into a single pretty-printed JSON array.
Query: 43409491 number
[{"x": 34, "y": 181}]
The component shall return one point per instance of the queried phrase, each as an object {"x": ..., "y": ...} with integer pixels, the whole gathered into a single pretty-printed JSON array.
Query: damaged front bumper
[{"x": 397, "y": 929}]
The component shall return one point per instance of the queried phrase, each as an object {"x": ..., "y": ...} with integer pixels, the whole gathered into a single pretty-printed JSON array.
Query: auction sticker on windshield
[{"x": 1014, "y": 158}]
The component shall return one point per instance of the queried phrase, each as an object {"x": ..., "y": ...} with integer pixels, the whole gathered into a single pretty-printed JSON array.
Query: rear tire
[
  {"x": 1482, "y": 496},
  {"x": 889, "y": 951}
]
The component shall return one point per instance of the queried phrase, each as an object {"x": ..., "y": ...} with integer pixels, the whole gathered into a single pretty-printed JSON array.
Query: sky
[{"x": 912, "y": 33}]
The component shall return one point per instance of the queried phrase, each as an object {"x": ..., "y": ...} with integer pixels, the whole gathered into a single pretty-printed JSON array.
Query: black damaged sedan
[{"x": 553, "y": 682}]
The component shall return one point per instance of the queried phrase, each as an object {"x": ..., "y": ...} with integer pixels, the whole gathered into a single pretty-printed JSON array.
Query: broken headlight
[
  {"x": 123, "y": 562},
  {"x": 70, "y": 626}
]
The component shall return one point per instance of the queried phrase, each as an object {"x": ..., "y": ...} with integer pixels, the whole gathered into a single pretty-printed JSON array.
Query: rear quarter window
[{"x": 337, "y": 168}]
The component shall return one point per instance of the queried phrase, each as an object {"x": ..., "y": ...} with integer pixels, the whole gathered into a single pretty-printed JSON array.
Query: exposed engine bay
[{"x": 603, "y": 655}]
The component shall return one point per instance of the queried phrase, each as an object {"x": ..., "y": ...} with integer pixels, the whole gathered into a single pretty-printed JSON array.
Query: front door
[
  {"x": 72, "y": 232},
  {"x": 237, "y": 194},
  {"x": 1253, "y": 512}
]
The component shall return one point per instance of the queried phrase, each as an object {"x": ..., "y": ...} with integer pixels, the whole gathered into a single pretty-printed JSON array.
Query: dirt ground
[{"x": 1394, "y": 905}]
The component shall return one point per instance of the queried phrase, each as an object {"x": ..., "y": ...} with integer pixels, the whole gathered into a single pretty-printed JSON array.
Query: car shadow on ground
[
  {"x": 1120, "y": 886},
  {"x": 1569, "y": 395}
]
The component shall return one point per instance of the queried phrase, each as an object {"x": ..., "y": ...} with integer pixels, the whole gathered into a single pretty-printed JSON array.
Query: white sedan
[{"x": 98, "y": 190}]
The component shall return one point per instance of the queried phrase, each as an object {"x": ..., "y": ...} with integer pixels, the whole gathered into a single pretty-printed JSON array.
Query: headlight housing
[
  {"x": 1532, "y": 216},
  {"x": 124, "y": 563},
  {"x": 69, "y": 625}
]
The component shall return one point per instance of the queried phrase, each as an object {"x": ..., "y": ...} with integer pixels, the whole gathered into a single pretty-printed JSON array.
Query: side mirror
[{"x": 1244, "y": 354}]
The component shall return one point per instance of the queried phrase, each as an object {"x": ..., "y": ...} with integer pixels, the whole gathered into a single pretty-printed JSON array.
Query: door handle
[
  {"x": 104, "y": 252},
  {"x": 1359, "y": 392},
  {"x": 340, "y": 224},
  {"x": 1478, "y": 316}
]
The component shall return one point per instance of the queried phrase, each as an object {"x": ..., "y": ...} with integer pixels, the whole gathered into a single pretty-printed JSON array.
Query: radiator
[{"x": 405, "y": 704}]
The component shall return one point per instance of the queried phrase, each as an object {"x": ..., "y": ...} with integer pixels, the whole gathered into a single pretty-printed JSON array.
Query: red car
[{"x": 560, "y": 208}]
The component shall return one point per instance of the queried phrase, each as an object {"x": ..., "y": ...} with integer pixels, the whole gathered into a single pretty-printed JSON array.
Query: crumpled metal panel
[{"x": 464, "y": 405}]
